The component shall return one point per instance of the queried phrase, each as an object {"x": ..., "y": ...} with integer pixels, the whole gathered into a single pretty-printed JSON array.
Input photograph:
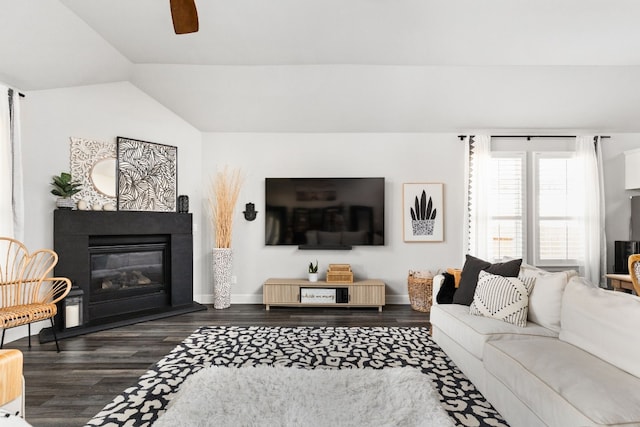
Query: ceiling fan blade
[{"x": 184, "y": 15}]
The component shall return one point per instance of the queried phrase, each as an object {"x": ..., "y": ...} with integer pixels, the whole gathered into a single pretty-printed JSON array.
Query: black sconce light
[{"x": 250, "y": 212}]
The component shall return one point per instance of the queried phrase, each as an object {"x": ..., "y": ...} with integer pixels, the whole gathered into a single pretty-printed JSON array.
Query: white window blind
[
  {"x": 507, "y": 206},
  {"x": 544, "y": 188},
  {"x": 558, "y": 237}
]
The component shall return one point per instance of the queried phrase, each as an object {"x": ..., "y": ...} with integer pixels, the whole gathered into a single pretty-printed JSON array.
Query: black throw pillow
[
  {"x": 447, "y": 289},
  {"x": 469, "y": 276}
]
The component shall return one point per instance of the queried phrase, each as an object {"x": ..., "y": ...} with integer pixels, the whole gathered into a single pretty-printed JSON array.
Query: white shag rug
[{"x": 282, "y": 396}]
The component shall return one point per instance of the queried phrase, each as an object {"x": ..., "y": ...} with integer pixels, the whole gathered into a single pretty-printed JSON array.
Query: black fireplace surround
[{"x": 131, "y": 266}]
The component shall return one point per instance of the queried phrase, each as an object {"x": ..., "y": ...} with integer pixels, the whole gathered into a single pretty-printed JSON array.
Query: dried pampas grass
[{"x": 224, "y": 191}]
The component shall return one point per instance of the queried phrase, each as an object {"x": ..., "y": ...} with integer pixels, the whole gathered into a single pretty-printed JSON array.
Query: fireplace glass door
[{"x": 123, "y": 271}]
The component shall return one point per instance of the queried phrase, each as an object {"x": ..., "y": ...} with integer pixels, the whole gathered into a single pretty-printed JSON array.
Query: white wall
[
  {"x": 399, "y": 158},
  {"x": 103, "y": 112},
  {"x": 100, "y": 112}
]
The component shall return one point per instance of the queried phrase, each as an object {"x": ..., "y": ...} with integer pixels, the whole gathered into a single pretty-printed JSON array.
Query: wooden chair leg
[
  {"x": 2, "y": 342},
  {"x": 29, "y": 332},
  {"x": 53, "y": 329}
]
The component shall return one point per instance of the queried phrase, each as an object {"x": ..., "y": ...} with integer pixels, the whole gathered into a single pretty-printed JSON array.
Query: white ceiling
[{"x": 344, "y": 65}]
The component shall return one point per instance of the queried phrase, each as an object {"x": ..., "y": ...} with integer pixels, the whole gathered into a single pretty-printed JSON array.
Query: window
[
  {"x": 507, "y": 205},
  {"x": 557, "y": 235},
  {"x": 540, "y": 187}
]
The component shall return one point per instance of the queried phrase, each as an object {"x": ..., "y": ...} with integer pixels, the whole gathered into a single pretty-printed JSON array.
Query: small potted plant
[
  {"x": 64, "y": 188},
  {"x": 313, "y": 272}
]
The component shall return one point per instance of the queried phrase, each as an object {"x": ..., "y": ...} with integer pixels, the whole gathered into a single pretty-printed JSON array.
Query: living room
[{"x": 330, "y": 106}]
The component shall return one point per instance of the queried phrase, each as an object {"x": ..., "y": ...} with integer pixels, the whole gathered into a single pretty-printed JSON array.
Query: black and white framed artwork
[
  {"x": 147, "y": 176},
  {"x": 423, "y": 212}
]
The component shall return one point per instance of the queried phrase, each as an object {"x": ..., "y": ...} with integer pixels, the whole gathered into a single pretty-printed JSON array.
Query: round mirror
[{"x": 103, "y": 176}]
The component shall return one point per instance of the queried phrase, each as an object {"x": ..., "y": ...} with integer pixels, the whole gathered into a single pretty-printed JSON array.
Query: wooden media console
[{"x": 303, "y": 293}]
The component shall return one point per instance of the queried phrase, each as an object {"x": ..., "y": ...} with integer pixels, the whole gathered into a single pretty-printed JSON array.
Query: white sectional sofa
[{"x": 576, "y": 363}]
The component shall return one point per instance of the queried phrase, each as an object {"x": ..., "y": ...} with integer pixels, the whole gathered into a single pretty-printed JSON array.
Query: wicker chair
[
  {"x": 27, "y": 294},
  {"x": 634, "y": 271}
]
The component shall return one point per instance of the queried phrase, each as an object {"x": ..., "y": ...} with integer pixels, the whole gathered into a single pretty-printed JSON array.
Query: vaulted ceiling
[{"x": 344, "y": 65}]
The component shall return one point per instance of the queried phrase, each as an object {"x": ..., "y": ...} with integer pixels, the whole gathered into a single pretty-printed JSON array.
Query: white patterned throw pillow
[{"x": 502, "y": 298}]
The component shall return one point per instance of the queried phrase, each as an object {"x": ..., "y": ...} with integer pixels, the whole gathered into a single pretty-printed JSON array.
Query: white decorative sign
[{"x": 317, "y": 295}]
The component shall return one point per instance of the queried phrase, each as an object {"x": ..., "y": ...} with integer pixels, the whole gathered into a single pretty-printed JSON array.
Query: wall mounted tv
[{"x": 324, "y": 213}]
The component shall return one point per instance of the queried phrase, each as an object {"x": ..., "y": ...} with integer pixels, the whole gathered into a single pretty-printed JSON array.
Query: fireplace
[
  {"x": 130, "y": 266},
  {"x": 122, "y": 268},
  {"x": 119, "y": 271}
]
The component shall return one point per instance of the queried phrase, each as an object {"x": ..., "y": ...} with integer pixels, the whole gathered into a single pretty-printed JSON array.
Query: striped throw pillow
[{"x": 502, "y": 298}]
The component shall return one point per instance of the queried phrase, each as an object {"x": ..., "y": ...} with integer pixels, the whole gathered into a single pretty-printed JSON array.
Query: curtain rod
[
  {"x": 22, "y": 95},
  {"x": 462, "y": 137}
]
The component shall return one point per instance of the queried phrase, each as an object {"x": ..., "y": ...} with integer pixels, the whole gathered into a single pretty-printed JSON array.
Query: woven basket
[
  {"x": 339, "y": 277},
  {"x": 420, "y": 292}
]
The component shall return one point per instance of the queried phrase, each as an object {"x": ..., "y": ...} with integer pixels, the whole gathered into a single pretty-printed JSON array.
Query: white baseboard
[
  {"x": 397, "y": 299},
  {"x": 235, "y": 299},
  {"x": 257, "y": 299}
]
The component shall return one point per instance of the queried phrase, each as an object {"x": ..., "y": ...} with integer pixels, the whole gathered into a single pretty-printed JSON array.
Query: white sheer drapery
[
  {"x": 589, "y": 157},
  {"x": 11, "y": 193},
  {"x": 477, "y": 184}
]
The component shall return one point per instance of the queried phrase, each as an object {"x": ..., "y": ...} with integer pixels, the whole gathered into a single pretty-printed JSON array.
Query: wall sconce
[
  {"x": 73, "y": 308},
  {"x": 250, "y": 212}
]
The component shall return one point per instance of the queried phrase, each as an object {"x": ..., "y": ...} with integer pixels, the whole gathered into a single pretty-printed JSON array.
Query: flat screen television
[{"x": 324, "y": 213}]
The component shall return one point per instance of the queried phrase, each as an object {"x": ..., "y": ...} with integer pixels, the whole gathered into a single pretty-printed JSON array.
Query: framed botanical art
[
  {"x": 147, "y": 176},
  {"x": 423, "y": 212}
]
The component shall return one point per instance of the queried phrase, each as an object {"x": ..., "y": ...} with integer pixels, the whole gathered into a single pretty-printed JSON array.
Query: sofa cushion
[
  {"x": 502, "y": 298},
  {"x": 604, "y": 323},
  {"x": 456, "y": 273},
  {"x": 564, "y": 385},
  {"x": 545, "y": 299},
  {"x": 469, "y": 276},
  {"x": 447, "y": 289},
  {"x": 472, "y": 332}
]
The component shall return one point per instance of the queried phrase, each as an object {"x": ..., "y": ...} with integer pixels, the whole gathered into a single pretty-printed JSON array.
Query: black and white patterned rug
[{"x": 302, "y": 347}]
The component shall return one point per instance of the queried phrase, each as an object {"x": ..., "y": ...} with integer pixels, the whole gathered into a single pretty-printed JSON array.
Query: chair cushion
[{"x": 469, "y": 276}]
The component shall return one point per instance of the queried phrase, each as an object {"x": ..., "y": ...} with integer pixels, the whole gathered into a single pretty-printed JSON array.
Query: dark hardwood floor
[{"x": 69, "y": 388}]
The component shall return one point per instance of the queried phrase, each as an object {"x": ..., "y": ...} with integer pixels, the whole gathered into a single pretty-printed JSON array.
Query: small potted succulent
[
  {"x": 313, "y": 271},
  {"x": 64, "y": 188}
]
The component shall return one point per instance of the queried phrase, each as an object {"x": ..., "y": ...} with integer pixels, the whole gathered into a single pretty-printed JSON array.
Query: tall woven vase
[{"x": 222, "y": 261}]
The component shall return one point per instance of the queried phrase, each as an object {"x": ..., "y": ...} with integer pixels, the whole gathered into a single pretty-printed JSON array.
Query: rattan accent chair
[
  {"x": 27, "y": 293},
  {"x": 634, "y": 271}
]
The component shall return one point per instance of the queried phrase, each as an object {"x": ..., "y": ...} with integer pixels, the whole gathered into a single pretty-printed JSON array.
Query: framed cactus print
[{"x": 423, "y": 212}]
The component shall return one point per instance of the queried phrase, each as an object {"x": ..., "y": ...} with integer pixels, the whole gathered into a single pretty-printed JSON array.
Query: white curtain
[
  {"x": 477, "y": 164},
  {"x": 589, "y": 156},
  {"x": 11, "y": 192}
]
